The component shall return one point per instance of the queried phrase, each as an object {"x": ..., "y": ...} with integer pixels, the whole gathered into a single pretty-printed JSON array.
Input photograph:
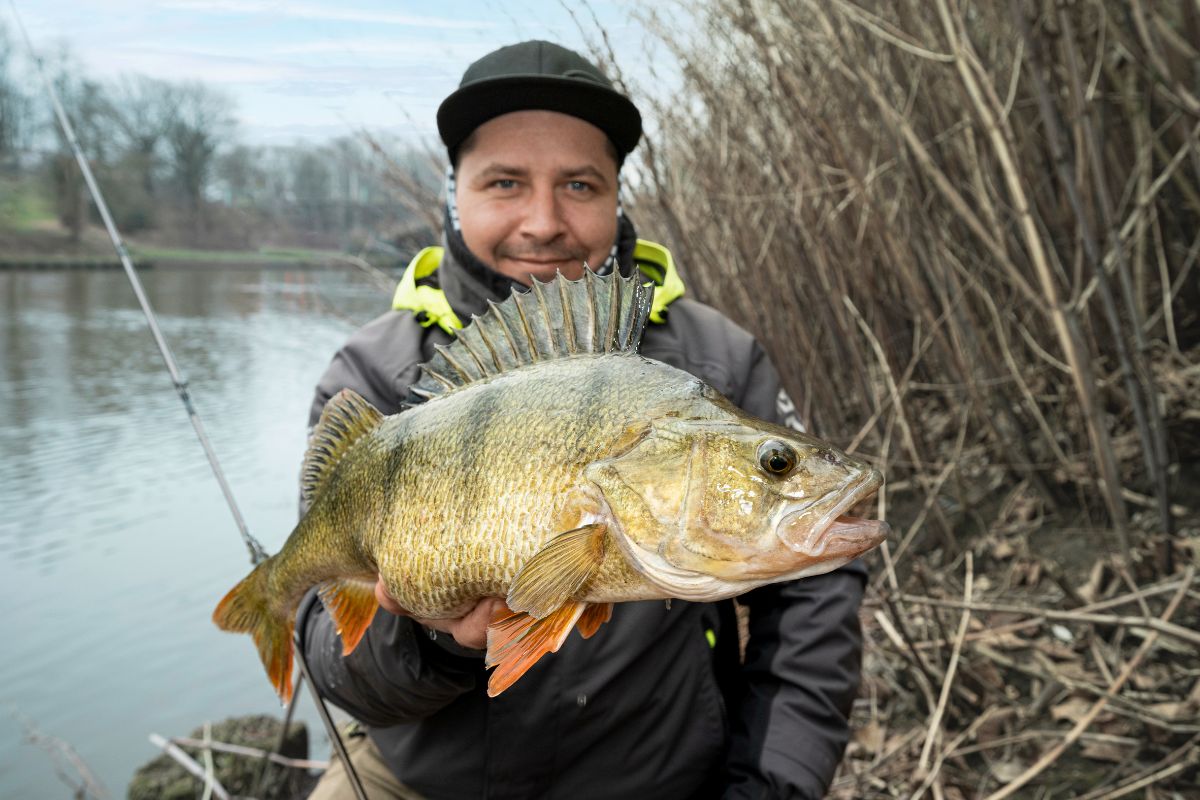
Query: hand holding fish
[{"x": 469, "y": 630}]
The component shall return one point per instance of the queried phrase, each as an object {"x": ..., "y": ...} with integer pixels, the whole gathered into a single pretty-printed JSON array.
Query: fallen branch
[
  {"x": 1158, "y": 625},
  {"x": 1055, "y": 752},
  {"x": 254, "y": 752},
  {"x": 188, "y": 763}
]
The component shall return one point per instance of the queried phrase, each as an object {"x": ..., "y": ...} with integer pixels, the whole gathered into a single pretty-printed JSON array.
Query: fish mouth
[{"x": 812, "y": 531}]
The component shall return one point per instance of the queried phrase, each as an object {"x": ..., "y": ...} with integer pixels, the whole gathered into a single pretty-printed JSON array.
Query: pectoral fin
[
  {"x": 555, "y": 573},
  {"x": 517, "y": 640},
  {"x": 352, "y": 604}
]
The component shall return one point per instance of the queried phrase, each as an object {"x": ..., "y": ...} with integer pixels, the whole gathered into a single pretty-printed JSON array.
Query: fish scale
[{"x": 552, "y": 466}]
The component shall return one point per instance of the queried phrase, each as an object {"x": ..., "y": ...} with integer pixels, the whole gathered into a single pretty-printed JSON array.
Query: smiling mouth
[
  {"x": 821, "y": 526},
  {"x": 566, "y": 259}
]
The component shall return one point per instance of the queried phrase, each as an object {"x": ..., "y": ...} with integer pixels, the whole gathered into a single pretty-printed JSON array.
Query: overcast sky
[{"x": 313, "y": 69}]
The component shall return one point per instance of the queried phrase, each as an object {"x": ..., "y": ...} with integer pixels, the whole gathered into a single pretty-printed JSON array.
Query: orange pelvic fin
[
  {"x": 518, "y": 640},
  {"x": 246, "y": 610},
  {"x": 596, "y": 615},
  {"x": 352, "y": 604}
]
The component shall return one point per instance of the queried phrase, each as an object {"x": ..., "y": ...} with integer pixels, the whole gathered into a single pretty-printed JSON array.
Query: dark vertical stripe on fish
[{"x": 474, "y": 442}]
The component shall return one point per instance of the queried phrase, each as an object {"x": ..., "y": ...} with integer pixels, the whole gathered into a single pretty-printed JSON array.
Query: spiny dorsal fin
[
  {"x": 562, "y": 318},
  {"x": 344, "y": 420}
]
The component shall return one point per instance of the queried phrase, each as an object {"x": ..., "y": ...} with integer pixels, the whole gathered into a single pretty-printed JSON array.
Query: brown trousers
[{"x": 377, "y": 779}]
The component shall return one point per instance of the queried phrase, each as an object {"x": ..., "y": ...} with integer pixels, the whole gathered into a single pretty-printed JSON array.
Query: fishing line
[{"x": 257, "y": 553}]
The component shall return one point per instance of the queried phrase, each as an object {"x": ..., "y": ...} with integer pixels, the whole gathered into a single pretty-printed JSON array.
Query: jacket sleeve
[
  {"x": 398, "y": 673},
  {"x": 801, "y": 671}
]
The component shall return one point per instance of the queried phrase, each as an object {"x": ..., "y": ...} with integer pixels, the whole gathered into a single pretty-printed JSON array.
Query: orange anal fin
[
  {"x": 352, "y": 604},
  {"x": 247, "y": 609},
  {"x": 516, "y": 642},
  {"x": 596, "y": 615}
]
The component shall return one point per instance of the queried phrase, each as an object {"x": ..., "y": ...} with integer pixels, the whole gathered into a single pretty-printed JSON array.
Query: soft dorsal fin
[
  {"x": 595, "y": 314},
  {"x": 346, "y": 417}
]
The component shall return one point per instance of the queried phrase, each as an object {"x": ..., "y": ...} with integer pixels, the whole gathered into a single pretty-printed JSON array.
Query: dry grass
[
  {"x": 965, "y": 237},
  {"x": 968, "y": 234}
]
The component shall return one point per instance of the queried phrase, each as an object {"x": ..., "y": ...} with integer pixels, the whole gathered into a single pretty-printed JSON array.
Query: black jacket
[{"x": 656, "y": 704}]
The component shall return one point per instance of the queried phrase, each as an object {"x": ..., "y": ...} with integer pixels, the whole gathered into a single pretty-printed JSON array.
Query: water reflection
[{"x": 114, "y": 540}]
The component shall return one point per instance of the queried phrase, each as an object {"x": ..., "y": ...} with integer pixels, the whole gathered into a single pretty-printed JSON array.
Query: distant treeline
[{"x": 173, "y": 165}]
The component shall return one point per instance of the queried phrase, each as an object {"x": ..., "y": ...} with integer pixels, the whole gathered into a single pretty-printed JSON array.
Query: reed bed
[{"x": 967, "y": 234}]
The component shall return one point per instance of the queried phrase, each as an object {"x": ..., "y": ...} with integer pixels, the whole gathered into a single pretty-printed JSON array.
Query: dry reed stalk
[
  {"x": 1156, "y": 625},
  {"x": 796, "y": 96},
  {"x": 935, "y": 722},
  {"x": 967, "y": 238},
  {"x": 1065, "y": 324}
]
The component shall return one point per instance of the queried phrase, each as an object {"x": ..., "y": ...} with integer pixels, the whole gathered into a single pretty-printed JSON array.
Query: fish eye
[{"x": 776, "y": 458}]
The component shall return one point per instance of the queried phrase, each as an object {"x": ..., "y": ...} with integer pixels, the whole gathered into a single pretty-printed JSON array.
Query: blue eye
[
  {"x": 504, "y": 183},
  {"x": 579, "y": 186}
]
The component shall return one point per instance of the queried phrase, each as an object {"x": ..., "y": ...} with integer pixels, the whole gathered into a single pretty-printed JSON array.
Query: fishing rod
[{"x": 257, "y": 553}]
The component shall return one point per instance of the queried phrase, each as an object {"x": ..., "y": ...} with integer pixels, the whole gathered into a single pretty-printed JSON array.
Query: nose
[{"x": 543, "y": 221}]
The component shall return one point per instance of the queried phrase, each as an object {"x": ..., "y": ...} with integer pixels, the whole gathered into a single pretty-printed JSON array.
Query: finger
[{"x": 386, "y": 601}]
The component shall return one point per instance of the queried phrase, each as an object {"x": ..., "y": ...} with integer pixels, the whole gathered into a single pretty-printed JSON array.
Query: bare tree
[
  {"x": 16, "y": 108},
  {"x": 86, "y": 104},
  {"x": 202, "y": 122},
  {"x": 143, "y": 109}
]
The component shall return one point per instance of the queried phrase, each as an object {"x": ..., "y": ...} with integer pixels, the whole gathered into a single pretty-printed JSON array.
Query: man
[{"x": 656, "y": 704}]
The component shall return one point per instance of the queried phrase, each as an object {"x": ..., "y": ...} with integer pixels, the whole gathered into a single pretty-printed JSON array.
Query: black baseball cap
[{"x": 537, "y": 75}]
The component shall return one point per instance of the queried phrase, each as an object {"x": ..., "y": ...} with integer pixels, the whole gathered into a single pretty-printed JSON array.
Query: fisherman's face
[{"x": 537, "y": 193}]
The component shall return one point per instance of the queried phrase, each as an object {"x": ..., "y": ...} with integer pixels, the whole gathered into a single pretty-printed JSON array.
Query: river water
[{"x": 115, "y": 542}]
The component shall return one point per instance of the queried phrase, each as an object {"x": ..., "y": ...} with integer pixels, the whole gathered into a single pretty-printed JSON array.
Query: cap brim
[{"x": 476, "y": 103}]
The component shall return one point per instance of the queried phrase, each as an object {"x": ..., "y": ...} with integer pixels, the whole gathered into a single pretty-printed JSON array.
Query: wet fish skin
[{"x": 563, "y": 485}]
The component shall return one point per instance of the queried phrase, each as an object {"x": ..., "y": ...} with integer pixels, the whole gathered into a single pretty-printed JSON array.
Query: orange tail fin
[{"x": 247, "y": 609}]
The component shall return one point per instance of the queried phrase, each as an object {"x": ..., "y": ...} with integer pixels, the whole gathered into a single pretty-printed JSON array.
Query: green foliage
[{"x": 24, "y": 203}]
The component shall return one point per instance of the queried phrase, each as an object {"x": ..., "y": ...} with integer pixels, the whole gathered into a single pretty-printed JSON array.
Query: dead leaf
[
  {"x": 1193, "y": 697},
  {"x": 870, "y": 737},
  {"x": 1072, "y": 709},
  {"x": 1171, "y": 711},
  {"x": 1007, "y": 771},
  {"x": 1104, "y": 751},
  {"x": 1092, "y": 585},
  {"x": 1002, "y": 550},
  {"x": 1006, "y": 640},
  {"x": 1143, "y": 681}
]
